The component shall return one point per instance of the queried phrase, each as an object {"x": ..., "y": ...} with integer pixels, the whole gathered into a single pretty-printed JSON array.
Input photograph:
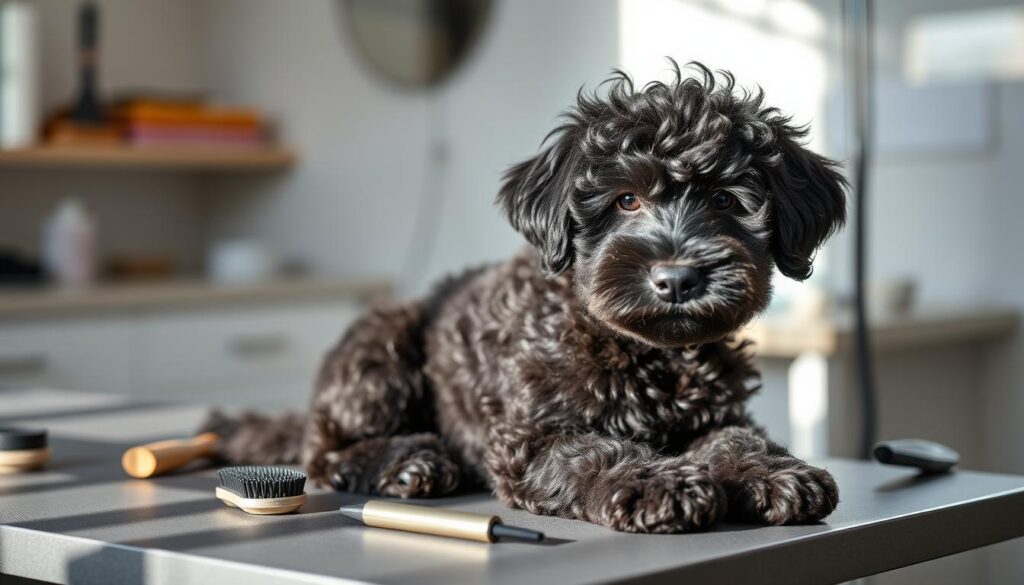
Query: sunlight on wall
[
  {"x": 967, "y": 44},
  {"x": 808, "y": 405},
  {"x": 777, "y": 44}
]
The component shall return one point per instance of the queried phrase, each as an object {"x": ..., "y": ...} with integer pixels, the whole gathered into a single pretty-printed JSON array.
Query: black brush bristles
[{"x": 260, "y": 482}]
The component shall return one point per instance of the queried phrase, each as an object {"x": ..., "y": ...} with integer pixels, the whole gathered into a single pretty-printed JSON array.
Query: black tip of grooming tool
[
  {"x": 501, "y": 531},
  {"x": 928, "y": 456},
  {"x": 254, "y": 481},
  {"x": 19, "y": 439}
]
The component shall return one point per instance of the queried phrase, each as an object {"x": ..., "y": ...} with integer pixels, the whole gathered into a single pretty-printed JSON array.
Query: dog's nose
[{"x": 674, "y": 283}]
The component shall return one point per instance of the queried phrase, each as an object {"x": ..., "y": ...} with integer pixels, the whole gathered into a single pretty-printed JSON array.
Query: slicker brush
[{"x": 262, "y": 490}]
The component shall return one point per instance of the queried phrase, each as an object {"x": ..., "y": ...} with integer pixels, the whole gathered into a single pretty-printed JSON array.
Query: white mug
[{"x": 240, "y": 262}]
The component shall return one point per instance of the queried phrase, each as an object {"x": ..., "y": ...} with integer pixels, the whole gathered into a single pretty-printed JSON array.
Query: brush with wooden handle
[{"x": 159, "y": 458}]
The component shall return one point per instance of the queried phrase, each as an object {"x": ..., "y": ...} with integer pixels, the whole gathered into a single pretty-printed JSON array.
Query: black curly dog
[{"x": 594, "y": 376}]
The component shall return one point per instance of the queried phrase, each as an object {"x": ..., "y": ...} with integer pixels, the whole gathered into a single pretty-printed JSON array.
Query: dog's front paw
[
  {"x": 676, "y": 500},
  {"x": 792, "y": 495},
  {"x": 420, "y": 475}
]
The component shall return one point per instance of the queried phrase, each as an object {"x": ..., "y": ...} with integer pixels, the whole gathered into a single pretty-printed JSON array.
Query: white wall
[
  {"x": 344, "y": 208},
  {"x": 350, "y": 206},
  {"x": 934, "y": 215}
]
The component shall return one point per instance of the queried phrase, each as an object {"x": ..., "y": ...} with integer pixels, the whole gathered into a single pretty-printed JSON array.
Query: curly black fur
[{"x": 560, "y": 378}]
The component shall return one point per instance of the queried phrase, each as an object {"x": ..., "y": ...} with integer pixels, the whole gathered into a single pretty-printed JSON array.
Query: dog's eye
[
  {"x": 628, "y": 202},
  {"x": 721, "y": 201}
]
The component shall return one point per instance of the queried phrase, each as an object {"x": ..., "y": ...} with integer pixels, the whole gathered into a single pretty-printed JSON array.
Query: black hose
[{"x": 859, "y": 26}]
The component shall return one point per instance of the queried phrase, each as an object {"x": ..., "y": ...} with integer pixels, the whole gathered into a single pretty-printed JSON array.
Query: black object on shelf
[
  {"x": 17, "y": 269},
  {"x": 87, "y": 107}
]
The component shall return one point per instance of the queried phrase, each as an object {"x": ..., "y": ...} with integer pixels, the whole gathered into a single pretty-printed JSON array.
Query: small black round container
[{"x": 23, "y": 449}]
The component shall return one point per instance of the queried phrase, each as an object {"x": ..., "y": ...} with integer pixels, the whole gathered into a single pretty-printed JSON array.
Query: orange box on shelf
[{"x": 167, "y": 113}]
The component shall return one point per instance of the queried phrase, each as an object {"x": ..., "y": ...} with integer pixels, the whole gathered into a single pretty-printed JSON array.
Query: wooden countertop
[
  {"x": 34, "y": 303},
  {"x": 776, "y": 336}
]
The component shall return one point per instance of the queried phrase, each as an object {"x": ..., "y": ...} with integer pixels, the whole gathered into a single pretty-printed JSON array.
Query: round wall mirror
[{"x": 415, "y": 43}]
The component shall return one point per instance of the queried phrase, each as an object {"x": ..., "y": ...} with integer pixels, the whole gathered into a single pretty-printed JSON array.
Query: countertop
[
  {"x": 784, "y": 337},
  {"x": 83, "y": 521},
  {"x": 46, "y": 302}
]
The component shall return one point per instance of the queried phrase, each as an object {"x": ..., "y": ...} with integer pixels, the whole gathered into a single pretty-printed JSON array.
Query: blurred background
[{"x": 196, "y": 196}]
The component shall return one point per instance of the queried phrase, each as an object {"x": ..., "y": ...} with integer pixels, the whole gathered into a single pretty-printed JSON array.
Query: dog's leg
[
  {"x": 613, "y": 482},
  {"x": 405, "y": 466},
  {"x": 763, "y": 481},
  {"x": 371, "y": 386}
]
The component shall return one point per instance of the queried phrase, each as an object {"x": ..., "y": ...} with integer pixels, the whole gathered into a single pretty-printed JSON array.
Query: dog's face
[{"x": 672, "y": 204}]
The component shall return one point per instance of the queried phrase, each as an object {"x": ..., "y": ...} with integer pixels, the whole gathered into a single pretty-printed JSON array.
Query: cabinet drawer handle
[
  {"x": 259, "y": 345},
  {"x": 22, "y": 364}
]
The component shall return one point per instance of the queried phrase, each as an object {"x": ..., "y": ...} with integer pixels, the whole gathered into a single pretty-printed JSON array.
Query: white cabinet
[
  {"x": 84, "y": 354},
  {"x": 245, "y": 355},
  {"x": 253, "y": 354}
]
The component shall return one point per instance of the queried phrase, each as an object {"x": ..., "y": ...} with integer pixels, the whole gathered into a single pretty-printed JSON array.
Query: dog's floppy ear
[
  {"x": 809, "y": 201},
  {"x": 535, "y": 196}
]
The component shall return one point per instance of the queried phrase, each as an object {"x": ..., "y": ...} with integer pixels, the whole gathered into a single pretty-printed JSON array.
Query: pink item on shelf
[{"x": 141, "y": 135}]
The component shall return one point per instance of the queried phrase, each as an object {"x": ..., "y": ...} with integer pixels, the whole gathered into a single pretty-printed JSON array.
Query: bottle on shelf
[{"x": 69, "y": 245}]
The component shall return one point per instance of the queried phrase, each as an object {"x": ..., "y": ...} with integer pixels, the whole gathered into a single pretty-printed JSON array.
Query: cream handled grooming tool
[
  {"x": 22, "y": 449},
  {"x": 437, "y": 521},
  {"x": 159, "y": 458},
  {"x": 262, "y": 490}
]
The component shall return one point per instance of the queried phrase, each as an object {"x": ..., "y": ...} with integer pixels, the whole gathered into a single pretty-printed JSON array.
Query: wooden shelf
[{"x": 148, "y": 158}]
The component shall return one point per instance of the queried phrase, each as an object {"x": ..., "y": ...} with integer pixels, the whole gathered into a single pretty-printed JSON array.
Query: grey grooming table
[{"x": 83, "y": 521}]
